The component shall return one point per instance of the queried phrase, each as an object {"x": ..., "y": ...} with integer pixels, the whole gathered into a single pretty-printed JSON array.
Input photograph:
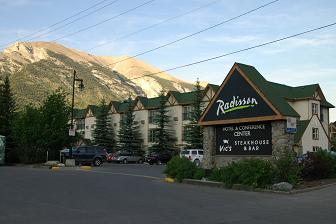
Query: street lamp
[{"x": 81, "y": 87}]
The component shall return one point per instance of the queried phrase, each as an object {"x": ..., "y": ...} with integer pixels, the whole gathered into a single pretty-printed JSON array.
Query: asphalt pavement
[{"x": 135, "y": 193}]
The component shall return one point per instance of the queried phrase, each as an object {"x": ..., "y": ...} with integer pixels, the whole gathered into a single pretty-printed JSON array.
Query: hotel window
[
  {"x": 314, "y": 108},
  {"x": 316, "y": 148},
  {"x": 186, "y": 113},
  {"x": 185, "y": 132},
  {"x": 151, "y": 134},
  {"x": 81, "y": 124},
  {"x": 315, "y": 132},
  {"x": 152, "y": 115}
]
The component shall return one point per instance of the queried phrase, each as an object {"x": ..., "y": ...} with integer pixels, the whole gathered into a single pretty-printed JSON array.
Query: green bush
[
  {"x": 180, "y": 168},
  {"x": 216, "y": 174},
  {"x": 319, "y": 165},
  {"x": 286, "y": 169},
  {"x": 250, "y": 172},
  {"x": 199, "y": 174}
]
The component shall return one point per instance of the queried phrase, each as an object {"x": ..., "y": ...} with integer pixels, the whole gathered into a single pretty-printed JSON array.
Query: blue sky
[{"x": 302, "y": 60}]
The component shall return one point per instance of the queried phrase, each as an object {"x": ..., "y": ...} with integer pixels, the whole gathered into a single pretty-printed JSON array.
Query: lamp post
[{"x": 81, "y": 87}]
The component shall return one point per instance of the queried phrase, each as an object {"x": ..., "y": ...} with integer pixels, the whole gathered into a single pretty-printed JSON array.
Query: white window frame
[
  {"x": 315, "y": 133},
  {"x": 315, "y": 108}
]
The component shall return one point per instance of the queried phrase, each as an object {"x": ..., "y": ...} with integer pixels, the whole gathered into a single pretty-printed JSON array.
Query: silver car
[{"x": 127, "y": 157}]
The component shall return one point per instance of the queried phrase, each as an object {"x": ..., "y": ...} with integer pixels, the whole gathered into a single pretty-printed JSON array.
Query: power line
[
  {"x": 104, "y": 21},
  {"x": 238, "y": 51},
  {"x": 75, "y": 20},
  {"x": 196, "y": 33},
  {"x": 55, "y": 24},
  {"x": 156, "y": 24}
]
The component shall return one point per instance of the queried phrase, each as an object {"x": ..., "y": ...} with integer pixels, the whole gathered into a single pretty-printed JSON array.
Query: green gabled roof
[
  {"x": 185, "y": 98},
  {"x": 150, "y": 103},
  {"x": 299, "y": 92},
  {"x": 325, "y": 103},
  {"x": 214, "y": 87},
  {"x": 301, "y": 127},
  {"x": 143, "y": 100},
  {"x": 269, "y": 90},
  {"x": 94, "y": 109},
  {"x": 153, "y": 103},
  {"x": 79, "y": 113},
  {"x": 116, "y": 104},
  {"x": 124, "y": 106}
]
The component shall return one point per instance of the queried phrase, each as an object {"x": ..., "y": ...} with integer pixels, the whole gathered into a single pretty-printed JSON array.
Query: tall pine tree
[
  {"x": 129, "y": 137},
  {"x": 103, "y": 134},
  {"x": 194, "y": 132},
  {"x": 164, "y": 136},
  {"x": 7, "y": 108}
]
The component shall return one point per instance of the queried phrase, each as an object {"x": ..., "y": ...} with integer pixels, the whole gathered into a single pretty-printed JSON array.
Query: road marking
[{"x": 128, "y": 174}]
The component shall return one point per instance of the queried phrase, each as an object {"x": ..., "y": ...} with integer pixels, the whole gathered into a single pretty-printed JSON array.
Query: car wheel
[
  {"x": 125, "y": 161},
  {"x": 197, "y": 162},
  {"x": 140, "y": 161},
  {"x": 97, "y": 162}
]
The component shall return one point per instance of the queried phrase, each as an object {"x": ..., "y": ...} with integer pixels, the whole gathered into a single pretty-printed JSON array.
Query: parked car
[
  {"x": 127, "y": 157},
  {"x": 194, "y": 155},
  {"x": 109, "y": 157},
  {"x": 95, "y": 155},
  {"x": 159, "y": 157}
]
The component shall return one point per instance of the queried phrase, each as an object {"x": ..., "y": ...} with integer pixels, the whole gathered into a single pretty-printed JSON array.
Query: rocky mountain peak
[{"x": 45, "y": 66}]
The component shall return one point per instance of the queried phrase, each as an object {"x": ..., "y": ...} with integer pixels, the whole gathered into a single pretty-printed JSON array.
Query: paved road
[{"x": 111, "y": 195}]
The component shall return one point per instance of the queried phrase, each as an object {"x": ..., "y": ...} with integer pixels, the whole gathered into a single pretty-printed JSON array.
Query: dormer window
[{"x": 315, "y": 108}]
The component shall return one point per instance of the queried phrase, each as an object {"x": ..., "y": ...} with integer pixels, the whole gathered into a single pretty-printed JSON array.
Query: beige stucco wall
[
  {"x": 176, "y": 111},
  {"x": 303, "y": 108},
  {"x": 307, "y": 139},
  {"x": 325, "y": 122},
  {"x": 141, "y": 116},
  {"x": 89, "y": 121}
]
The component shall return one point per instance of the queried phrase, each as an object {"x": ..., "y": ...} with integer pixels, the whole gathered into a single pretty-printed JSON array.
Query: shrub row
[{"x": 259, "y": 173}]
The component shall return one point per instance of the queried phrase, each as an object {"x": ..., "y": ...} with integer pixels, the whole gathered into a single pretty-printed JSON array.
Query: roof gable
[
  {"x": 238, "y": 98},
  {"x": 114, "y": 106}
]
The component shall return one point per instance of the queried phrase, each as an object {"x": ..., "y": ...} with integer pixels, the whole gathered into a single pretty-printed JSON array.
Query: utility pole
[{"x": 81, "y": 87}]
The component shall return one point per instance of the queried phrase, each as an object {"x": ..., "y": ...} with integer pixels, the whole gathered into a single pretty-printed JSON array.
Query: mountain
[{"x": 38, "y": 68}]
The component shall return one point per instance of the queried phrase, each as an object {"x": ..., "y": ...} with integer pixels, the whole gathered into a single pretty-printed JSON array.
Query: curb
[
  {"x": 203, "y": 183},
  {"x": 169, "y": 180},
  {"x": 55, "y": 168},
  {"x": 86, "y": 168},
  {"x": 246, "y": 188}
]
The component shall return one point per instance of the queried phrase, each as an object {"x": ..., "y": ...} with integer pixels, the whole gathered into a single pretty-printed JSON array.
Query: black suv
[
  {"x": 95, "y": 155},
  {"x": 159, "y": 157}
]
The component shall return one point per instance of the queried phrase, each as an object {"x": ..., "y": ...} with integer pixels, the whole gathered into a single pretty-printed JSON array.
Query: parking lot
[{"x": 135, "y": 193}]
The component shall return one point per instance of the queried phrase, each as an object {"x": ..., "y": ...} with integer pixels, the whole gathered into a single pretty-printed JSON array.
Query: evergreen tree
[
  {"x": 164, "y": 136},
  {"x": 38, "y": 129},
  {"x": 129, "y": 137},
  {"x": 7, "y": 108},
  {"x": 194, "y": 132},
  {"x": 55, "y": 112},
  {"x": 103, "y": 134}
]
